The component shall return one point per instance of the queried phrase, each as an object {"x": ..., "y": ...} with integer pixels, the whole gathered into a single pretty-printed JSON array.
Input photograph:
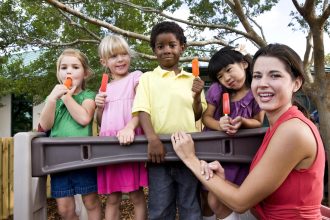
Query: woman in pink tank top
[{"x": 286, "y": 175}]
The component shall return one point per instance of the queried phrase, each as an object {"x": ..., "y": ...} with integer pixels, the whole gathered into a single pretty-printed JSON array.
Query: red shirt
[{"x": 300, "y": 195}]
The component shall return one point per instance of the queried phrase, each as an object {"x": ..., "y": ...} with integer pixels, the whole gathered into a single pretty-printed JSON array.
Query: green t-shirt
[{"x": 65, "y": 125}]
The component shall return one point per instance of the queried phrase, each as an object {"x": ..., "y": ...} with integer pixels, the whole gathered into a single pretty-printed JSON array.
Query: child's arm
[
  {"x": 255, "y": 122},
  {"x": 82, "y": 114},
  {"x": 47, "y": 115},
  {"x": 100, "y": 102},
  {"x": 156, "y": 149},
  {"x": 208, "y": 119},
  {"x": 126, "y": 135},
  {"x": 197, "y": 89},
  {"x": 240, "y": 122}
]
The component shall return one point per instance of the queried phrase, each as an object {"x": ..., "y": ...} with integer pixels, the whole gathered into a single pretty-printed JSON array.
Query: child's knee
[
  {"x": 66, "y": 211},
  {"x": 137, "y": 197},
  {"x": 91, "y": 201},
  {"x": 114, "y": 199}
]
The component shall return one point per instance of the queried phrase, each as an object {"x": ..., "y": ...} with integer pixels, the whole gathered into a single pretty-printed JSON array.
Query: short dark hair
[
  {"x": 167, "y": 27},
  {"x": 225, "y": 56}
]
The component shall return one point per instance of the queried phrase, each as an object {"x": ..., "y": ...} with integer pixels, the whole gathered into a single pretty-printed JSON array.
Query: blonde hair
[
  {"x": 81, "y": 57},
  {"x": 112, "y": 45}
]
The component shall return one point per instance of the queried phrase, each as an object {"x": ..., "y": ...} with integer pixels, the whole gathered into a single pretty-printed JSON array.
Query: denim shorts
[{"x": 73, "y": 182}]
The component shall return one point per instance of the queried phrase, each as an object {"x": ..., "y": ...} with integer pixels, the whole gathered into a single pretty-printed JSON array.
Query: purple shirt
[{"x": 247, "y": 107}]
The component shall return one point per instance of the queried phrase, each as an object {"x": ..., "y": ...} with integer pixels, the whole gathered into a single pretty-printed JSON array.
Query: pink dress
[{"x": 117, "y": 113}]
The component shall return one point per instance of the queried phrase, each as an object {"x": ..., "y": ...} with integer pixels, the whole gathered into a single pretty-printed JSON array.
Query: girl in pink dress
[{"x": 115, "y": 119}]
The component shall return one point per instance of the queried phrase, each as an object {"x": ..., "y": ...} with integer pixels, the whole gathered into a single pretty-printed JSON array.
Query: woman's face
[{"x": 272, "y": 85}]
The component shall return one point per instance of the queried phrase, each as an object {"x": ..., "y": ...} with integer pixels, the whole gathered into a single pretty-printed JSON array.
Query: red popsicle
[
  {"x": 195, "y": 67},
  {"x": 68, "y": 81},
  {"x": 225, "y": 103},
  {"x": 104, "y": 82}
]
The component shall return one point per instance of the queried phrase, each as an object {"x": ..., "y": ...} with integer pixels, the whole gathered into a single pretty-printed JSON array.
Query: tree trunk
[{"x": 324, "y": 114}]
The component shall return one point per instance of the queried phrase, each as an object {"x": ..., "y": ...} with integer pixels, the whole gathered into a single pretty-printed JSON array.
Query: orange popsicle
[
  {"x": 195, "y": 67},
  {"x": 104, "y": 82},
  {"x": 225, "y": 103},
  {"x": 68, "y": 81}
]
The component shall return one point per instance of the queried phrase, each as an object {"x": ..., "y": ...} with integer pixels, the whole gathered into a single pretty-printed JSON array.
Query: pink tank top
[{"x": 300, "y": 195}]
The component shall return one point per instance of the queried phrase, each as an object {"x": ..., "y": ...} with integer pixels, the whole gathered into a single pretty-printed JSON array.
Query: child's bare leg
[
  {"x": 112, "y": 211},
  {"x": 66, "y": 208},
  {"x": 220, "y": 210},
  {"x": 140, "y": 205},
  {"x": 93, "y": 206}
]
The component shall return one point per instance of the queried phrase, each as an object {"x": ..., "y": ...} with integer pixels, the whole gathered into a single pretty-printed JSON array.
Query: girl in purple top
[{"x": 229, "y": 69}]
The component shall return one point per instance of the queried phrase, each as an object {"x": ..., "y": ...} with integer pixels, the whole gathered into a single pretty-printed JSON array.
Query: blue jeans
[
  {"x": 171, "y": 184},
  {"x": 73, "y": 182}
]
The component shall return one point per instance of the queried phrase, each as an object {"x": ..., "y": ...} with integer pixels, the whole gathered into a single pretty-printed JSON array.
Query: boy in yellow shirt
[{"x": 169, "y": 99}]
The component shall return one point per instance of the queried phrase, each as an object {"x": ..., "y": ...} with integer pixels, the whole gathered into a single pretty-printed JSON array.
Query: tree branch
[
  {"x": 117, "y": 30},
  {"x": 326, "y": 12},
  {"x": 182, "y": 59},
  {"x": 95, "y": 21},
  {"x": 71, "y": 22},
  {"x": 308, "y": 58},
  {"x": 205, "y": 25},
  {"x": 236, "y": 6},
  {"x": 298, "y": 7},
  {"x": 258, "y": 26},
  {"x": 75, "y": 42}
]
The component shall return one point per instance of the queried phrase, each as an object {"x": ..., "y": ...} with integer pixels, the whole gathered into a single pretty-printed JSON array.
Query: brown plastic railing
[{"x": 51, "y": 155}]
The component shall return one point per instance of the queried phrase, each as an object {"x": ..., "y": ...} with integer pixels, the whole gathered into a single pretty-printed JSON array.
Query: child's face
[
  {"x": 72, "y": 65},
  {"x": 233, "y": 76},
  {"x": 168, "y": 51},
  {"x": 118, "y": 64}
]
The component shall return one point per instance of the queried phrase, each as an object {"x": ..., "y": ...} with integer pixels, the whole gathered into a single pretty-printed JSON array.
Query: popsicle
[
  {"x": 104, "y": 82},
  {"x": 225, "y": 103},
  {"x": 195, "y": 67},
  {"x": 68, "y": 81}
]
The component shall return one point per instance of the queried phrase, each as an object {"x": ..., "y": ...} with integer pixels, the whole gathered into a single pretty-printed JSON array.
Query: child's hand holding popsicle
[
  {"x": 225, "y": 121},
  {"x": 227, "y": 124},
  {"x": 198, "y": 83},
  {"x": 101, "y": 96}
]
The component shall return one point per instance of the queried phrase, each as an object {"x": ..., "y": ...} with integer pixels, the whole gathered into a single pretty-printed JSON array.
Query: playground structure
[{"x": 37, "y": 155}]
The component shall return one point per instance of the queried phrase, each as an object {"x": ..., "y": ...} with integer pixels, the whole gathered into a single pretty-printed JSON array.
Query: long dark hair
[{"x": 292, "y": 62}]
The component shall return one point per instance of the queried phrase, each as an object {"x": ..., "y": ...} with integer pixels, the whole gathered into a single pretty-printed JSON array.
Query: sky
[{"x": 278, "y": 31}]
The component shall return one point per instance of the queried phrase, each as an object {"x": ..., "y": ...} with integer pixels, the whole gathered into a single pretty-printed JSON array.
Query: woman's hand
[
  {"x": 210, "y": 169},
  {"x": 183, "y": 145}
]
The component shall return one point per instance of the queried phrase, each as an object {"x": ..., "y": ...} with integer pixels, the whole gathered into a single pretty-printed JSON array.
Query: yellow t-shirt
[{"x": 167, "y": 98}]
